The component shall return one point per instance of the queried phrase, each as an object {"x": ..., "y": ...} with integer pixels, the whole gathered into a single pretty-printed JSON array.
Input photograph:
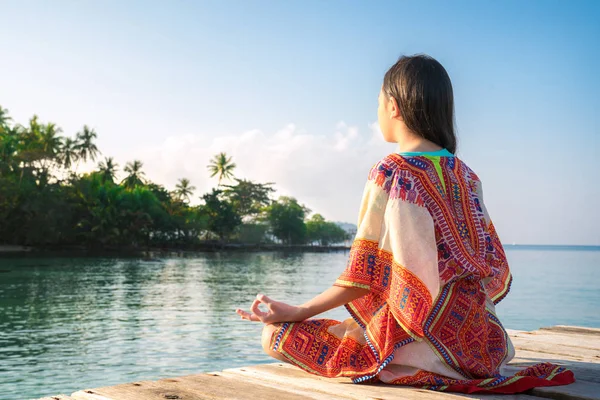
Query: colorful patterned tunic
[{"x": 428, "y": 252}]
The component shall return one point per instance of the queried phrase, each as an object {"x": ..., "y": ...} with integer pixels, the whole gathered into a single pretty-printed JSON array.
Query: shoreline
[
  {"x": 11, "y": 249},
  {"x": 215, "y": 247},
  {"x": 153, "y": 252}
]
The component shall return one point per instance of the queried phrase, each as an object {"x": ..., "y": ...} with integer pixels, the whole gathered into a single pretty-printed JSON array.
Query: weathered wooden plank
[
  {"x": 88, "y": 395},
  {"x": 579, "y": 390},
  {"x": 286, "y": 375},
  {"x": 201, "y": 386},
  {"x": 307, "y": 393},
  {"x": 551, "y": 348},
  {"x": 572, "y": 329},
  {"x": 550, "y": 357},
  {"x": 591, "y": 342},
  {"x": 577, "y": 348}
]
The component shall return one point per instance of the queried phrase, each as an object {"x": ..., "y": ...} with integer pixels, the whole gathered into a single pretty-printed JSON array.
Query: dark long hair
[{"x": 423, "y": 91}]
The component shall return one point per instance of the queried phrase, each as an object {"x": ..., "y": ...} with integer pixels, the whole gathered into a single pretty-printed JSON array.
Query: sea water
[{"x": 73, "y": 323}]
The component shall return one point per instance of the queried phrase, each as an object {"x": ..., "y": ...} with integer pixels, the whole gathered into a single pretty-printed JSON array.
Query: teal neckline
[{"x": 439, "y": 153}]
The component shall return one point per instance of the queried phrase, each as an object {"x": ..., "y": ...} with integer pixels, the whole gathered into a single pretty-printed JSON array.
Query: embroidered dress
[{"x": 428, "y": 252}]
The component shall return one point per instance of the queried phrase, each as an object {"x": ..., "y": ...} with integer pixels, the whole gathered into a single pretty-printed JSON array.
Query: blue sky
[{"x": 289, "y": 88}]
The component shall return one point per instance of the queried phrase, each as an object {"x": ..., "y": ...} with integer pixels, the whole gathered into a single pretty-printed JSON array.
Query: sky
[{"x": 289, "y": 90}]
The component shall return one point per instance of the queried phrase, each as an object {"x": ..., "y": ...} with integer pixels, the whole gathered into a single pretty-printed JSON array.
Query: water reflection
[
  {"x": 68, "y": 323},
  {"x": 72, "y": 323}
]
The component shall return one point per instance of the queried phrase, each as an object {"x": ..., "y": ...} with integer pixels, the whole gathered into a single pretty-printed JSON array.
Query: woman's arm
[
  {"x": 370, "y": 218},
  {"x": 331, "y": 298},
  {"x": 278, "y": 311}
]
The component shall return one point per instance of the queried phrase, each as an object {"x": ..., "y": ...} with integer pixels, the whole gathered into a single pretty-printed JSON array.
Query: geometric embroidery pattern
[
  {"x": 543, "y": 374},
  {"x": 375, "y": 269},
  {"x": 465, "y": 335},
  {"x": 316, "y": 350},
  {"x": 457, "y": 325}
]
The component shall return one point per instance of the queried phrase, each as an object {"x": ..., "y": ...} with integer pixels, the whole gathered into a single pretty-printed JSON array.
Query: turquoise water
[{"x": 68, "y": 324}]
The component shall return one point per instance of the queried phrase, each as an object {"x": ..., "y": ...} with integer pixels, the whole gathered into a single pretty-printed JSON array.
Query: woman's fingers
[
  {"x": 247, "y": 315},
  {"x": 263, "y": 298},
  {"x": 256, "y": 310},
  {"x": 256, "y": 313},
  {"x": 252, "y": 317}
]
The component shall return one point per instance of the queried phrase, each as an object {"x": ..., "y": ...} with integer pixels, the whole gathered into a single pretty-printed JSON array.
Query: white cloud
[{"x": 325, "y": 172}]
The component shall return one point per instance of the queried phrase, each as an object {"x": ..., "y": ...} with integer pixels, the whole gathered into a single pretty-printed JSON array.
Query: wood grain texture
[
  {"x": 584, "y": 341},
  {"x": 545, "y": 347},
  {"x": 201, "y": 386},
  {"x": 572, "y": 329},
  {"x": 289, "y": 376},
  {"x": 574, "y": 347}
]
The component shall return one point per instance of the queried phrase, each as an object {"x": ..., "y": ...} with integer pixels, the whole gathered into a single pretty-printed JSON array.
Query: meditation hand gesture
[{"x": 277, "y": 311}]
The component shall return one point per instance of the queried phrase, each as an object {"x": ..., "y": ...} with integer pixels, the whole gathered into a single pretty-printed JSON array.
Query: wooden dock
[{"x": 574, "y": 347}]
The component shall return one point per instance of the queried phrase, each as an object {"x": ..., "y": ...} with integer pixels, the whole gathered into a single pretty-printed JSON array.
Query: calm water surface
[{"x": 68, "y": 324}]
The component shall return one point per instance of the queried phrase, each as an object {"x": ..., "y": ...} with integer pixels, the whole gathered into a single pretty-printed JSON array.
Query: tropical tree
[
  {"x": 324, "y": 232},
  {"x": 9, "y": 145},
  {"x": 222, "y": 166},
  {"x": 8, "y": 140},
  {"x": 286, "y": 220},
  {"x": 248, "y": 198},
  {"x": 50, "y": 143},
  {"x": 221, "y": 216},
  {"x": 85, "y": 144},
  {"x": 29, "y": 143},
  {"x": 108, "y": 169},
  {"x": 136, "y": 175},
  {"x": 4, "y": 119},
  {"x": 183, "y": 190},
  {"x": 68, "y": 152},
  {"x": 39, "y": 209},
  {"x": 50, "y": 139}
]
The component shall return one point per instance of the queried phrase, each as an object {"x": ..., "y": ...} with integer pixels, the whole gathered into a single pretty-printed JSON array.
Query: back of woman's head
[{"x": 423, "y": 91}]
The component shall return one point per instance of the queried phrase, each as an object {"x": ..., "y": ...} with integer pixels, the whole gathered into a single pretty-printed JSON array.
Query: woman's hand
[{"x": 277, "y": 311}]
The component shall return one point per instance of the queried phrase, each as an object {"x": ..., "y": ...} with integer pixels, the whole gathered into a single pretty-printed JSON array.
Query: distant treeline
[{"x": 44, "y": 201}]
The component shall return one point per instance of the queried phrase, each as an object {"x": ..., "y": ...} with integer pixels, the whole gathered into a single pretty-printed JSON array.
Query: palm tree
[
  {"x": 108, "y": 169},
  {"x": 69, "y": 152},
  {"x": 184, "y": 190},
  {"x": 9, "y": 143},
  {"x": 135, "y": 176},
  {"x": 38, "y": 143},
  {"x": 4, "y": 119},
  {"x": 50, "y": 140},
  {"x": 85, "y": 144},
  {"x": 29, "y": 136},
  {"x": 8, "y": 139},
  {"x": 221, "y": 165}
]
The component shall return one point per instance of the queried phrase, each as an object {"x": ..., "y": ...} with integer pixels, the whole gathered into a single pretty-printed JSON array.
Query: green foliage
[
  {"x": 85, "y": 144},
  {"x": 324, "y": 232},
  {"x": 135, "y": 175},
  {"x": 184, "y": 190},
  {"x": 221, "y": 216},
  {"x": 222, "y": 166},
  {"x": 248, "y": 198},
  {"x": 43, "y": 202},
  {"x": 107, "y": 169},
  {"x": 252, "y": 233},
  {"x": 286, "y": 218}
]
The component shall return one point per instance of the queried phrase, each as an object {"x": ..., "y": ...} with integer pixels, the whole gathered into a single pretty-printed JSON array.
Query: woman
[{"x": 425, "y": 270}]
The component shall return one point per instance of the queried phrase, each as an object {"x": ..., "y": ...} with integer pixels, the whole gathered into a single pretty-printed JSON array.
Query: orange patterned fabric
[
  {"x": 544, "y": 374},
  {"x": 374, "y": 268},
  {"x": 434, "y": 265}
]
